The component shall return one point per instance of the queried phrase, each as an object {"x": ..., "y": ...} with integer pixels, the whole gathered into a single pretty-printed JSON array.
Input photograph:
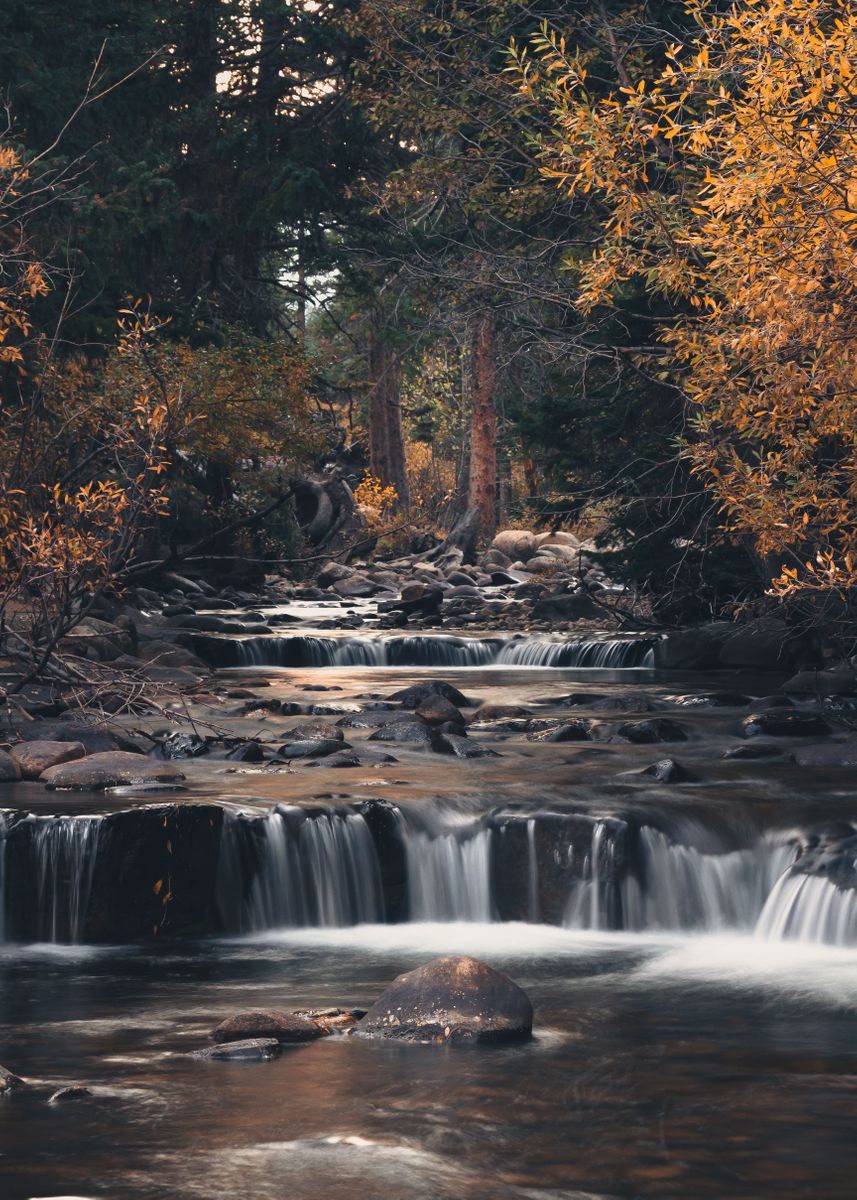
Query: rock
[
  {"x": 499, "y": 712},
  {"x": 767, "y": 644},
  {"x": 840, "y": 681},
  {"x": 542, "y": 564},
  {"x": 358, "y": 758},
  {"x": 75, "y": 1091},
  {"x": 660, "y": 729},
  {"x": 418, "y": 693},
  {"x": 375, "y": 718},
  {"x": 557, "y": 538},
  {"x": 496, "y": 560},
  {"x": 10, "y": 770},
  {"x": 314, "y": 731},
  {"x": 751, "y": 751},
  {"x": 711, "y": 700},
  {"x": 688, "y": 649},
  {"x": 35, "y": 757},
  {"x": 778, "y": 722},
  {"x": 167, "y": 654},
  {"x": 93, "y": 738},
  {"x": 109, "y": 769},
  {"x": 451, "y": 999},
  {"x": 667, "y": 771},
  {"x": 566, "y": 606},
  {"x": 270, "y": 1023},
  {"x": 249, "y": 1050},
  {"x": 9, "y": 1081},
  {"x": 425, "y": 598},
  {"x": 312, "y": 749},
  {"x": 248, "y": 752},
  {"x": 842, "y": 754},
  {"x": 515, "y": 544},
  {"x": 461, "y": 747},
  {"x": 436, "y": 710},
  {"x": 567, "y": 731},
  {"x": 180, "y": 745},
  {"x": 332, "y": 572},
  {"x": 356, "y": 586},
  {"x": 763, "y": 703},
  {"x": 333, "y": 1020},
  {"x": 413, "y": 732}
]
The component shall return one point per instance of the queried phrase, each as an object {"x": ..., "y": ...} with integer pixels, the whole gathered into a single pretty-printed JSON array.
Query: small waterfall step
[{"x": 436, "y": 650}]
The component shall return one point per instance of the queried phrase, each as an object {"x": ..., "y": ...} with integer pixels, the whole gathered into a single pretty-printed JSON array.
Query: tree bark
[
  {"x": 386, "y": 439},
  {"x": 482, "y": 494}
]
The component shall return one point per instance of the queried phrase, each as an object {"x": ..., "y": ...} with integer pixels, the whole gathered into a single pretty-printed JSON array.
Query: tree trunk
[
  {"x": 482, "y": 495},
  {"x": 386, "y": 440}
]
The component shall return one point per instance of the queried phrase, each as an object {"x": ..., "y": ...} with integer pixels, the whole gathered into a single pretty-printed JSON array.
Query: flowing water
[{"x": 695, "y": 991}]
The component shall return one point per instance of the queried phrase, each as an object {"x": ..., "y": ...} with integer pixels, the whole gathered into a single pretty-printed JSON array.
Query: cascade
[
  {"x": 442, "y": 650},
  {"x": 809, "y": 908},
  {"x": 64, "y": 850},
  {"x": 664, "y": 885},
  {"x": 320, "y": 871},
  {"x": 449, "y": 875}
]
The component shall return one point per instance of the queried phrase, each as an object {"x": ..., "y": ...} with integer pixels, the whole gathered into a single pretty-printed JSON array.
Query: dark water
[
  {"x": 704, "y": 1068},
  {"x": 697, "y": 1066}
]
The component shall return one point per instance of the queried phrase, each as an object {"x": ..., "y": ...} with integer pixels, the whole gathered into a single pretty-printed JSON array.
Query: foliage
[
  {"x": 376, "y": 502},
  {"x": 726, "y": 185}
]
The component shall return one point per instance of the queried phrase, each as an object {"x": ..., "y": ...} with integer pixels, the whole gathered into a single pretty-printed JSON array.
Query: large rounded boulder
[
  {"x": 515, "y": 544},
  {"x": 451, "y": 999}
]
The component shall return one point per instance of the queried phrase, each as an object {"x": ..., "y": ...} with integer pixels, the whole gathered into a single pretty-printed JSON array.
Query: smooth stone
[
  {"x": 267, "y": 1023},
  {"x": 451, "y": 999},
  {"x": 419, "y": 693},
  {"x": 784, "y": 723},
  {"x": 437, "y": 709},
  {"x": 314, "y": 731},
  {"x": 568, "y": 731},
  {"x": 10, "y": 769},
  {"x": 667, "y": 770},
  {"x": 35, "y": 757},
  {"x": 109, "y": 769},
  {"x": 9, "y": 1081},
  {"x": 752, "y": 750},
  {"x": 248, "y": 1050},
  {"x": 647, "y": 732},
  {"x": 75, "y": 1091},
  {"x": 312, "y": 749},
  {"x": 462, "y": 747}
]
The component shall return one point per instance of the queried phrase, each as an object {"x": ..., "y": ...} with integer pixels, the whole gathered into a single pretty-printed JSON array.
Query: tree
[{"x": 725, "y": 185}]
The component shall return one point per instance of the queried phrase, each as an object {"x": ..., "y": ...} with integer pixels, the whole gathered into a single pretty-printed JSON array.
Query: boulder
[
  {"x": 451, "y": 999},
  {"x": 75, "y": 1091},
  {"x": 9, "y": 1081},
  {"x": 35, "y": 757},
  {"x": 667, "y": 770},
  {"x": 435, "y": 710},
  {"x": 840, "y": 681},
  {"x": 566, "y": 606},
  {"x": 270, "y": 1023},
  {"x": 249, "y": 1050},
  {"x": 842, "y": 754},
  {"x": 314, "y": 731},
  {"x": 449, "y": 742},
  {"x": 332, "y": 572},
  {"x": 357, "y": 586},
  {"x": 10, "y": 770},
  {"x": 419, "y": 598},
  {"x": 660, "y": 729},
  {"x": 418, "y": 693},
  {"x": 783, "y": 722},
  {"x": 688, "y": 649},
  {"x": 499, "y": 712},
  {"x": 110, "y": 769},
  {"x": 94, "y": 738},
  {"x": 412, "y": 732},
  {"x": 312, "y": 749},
  {"x": 752, "y": 750},
  {"x": 567, "y": 731},
  {"x": 767, "y": 644},
  {"x": 515, "y": 544}
]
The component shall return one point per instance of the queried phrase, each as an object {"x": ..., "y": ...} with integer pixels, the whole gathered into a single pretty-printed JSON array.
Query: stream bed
[{"x": 694, "y": 981}]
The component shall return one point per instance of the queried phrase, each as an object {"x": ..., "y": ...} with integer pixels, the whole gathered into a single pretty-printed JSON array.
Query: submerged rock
[
  {"x": 109, "y": 769},
  {"x": 74, "y": 1091},
  {"x": 567, "y": 731},
  {"x": 248, "y": 1050},
  {"x": 10, "y": 770},
  {"x": 451, "y": 999},
  {"x": 9, "y": 1081},
  {"x": 313, "y": 749},
  {"x": 667, "y": 770},
  {"x": 647, "y": 732},
  {"x": 778, "y": 722},
  {"x": 419, "y": 693},
  {"x": 264, "y": 1024}
]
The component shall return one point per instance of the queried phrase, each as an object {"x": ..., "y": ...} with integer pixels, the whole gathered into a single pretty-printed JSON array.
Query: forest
[{"x": 561, "y": 264}]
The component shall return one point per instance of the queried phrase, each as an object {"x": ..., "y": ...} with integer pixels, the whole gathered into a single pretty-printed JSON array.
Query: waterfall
[
  {"x": 4, "y": 823},
  {"x": 442, "y": 650},
  {"x": 809, "y": 908},
  {"x": 532, "y": 872},
  {"x": 320, "y": 870},
  {"x": 449, "y": 875},
  {"x": 669, "y": 886},
  {"x": 64, "y": 850}
]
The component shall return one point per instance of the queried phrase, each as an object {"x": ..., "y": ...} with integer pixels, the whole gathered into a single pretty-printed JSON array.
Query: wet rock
[
  {"x": 10, "y": 770},
  {"x": 249, "y": 1050},
  {"x": 75, "y": 1091},
  {"x": 419, "y": 598},
  {"x": 688, "y": 649},
  {"x": 332, "y": 572},
  {"x": 565, "y": 606},
  {"x": 180, "y": 745},
  {"x": 94, "y": 738},
  {"x": 35, "y": 757},
  {"x": 109, "y": 769},
  {"x": 499, "y": 712},
  {"x": 451, "y": 999},
  {"x": 268, "y": 1023},
  {"x": 762, "y": 703},
  {"x": 312, "y": 749},
  {"x": 711, "y": 700},
  {"x": 356, "y": 586},
  {"x": 314, "y": 731},
  {"x": 419, "y": 693},
  {"x": 840, "y": 681},
  {"x": 437, "y": 710},
  {"x": 667, "y": 770},
  {"x": 248, "y": 752},
  {"x": 661, "y": 729},
  {"x": 9, "y": 1081},
  {"x": 631, "y": 702},
  {"x": 752, "y": 750},
  {"x": 358, "y": 758},
  {"x": 842, "y": 754},
  {"x": 567, "y": 731},
  {"x": 411, "y": 732},
  {"x": 784, "y": 723},
  {"x": 334, "y": 1020},
  {"x": 374, "y": 718},
  {"x": 462, "y": 747}
]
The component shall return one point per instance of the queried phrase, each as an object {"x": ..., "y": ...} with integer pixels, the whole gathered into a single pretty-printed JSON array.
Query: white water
[
  {"x": 442, "y": 650},
  {"x": 449, "y": 876},
  {"x": 65, "y": 850},
  {"x": 809, "y": 908}
]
